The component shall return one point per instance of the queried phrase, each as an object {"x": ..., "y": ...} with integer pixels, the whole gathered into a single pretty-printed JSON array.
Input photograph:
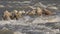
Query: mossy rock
[{"x": 6, "y": 32}]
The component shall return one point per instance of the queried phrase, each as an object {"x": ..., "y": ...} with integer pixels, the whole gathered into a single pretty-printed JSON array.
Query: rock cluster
[{"x": 18, "y": 14}]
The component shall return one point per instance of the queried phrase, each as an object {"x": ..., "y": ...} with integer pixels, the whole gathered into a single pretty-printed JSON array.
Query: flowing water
[{"x": 32, "y": 25}]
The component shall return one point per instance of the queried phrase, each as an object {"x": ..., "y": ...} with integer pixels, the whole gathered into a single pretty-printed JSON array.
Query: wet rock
[
  {"x": 49, "y": 24},
  {"x": 52, "y": 7},
  {"x": 55, "y": 30},
  {"x": 56, "y": 25},
  {"x": 35, "y": 32},
  {"x": 38, "y": 20},
  {"x": 6, "y": 31},
  {"x": 2, "y": 6},
  {"x": 17, "y": 32},
  {"x": 57, "y": 33}
]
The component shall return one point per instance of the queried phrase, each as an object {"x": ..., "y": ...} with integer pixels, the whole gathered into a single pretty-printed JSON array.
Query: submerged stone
[{"x": 6, "y": 32}]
